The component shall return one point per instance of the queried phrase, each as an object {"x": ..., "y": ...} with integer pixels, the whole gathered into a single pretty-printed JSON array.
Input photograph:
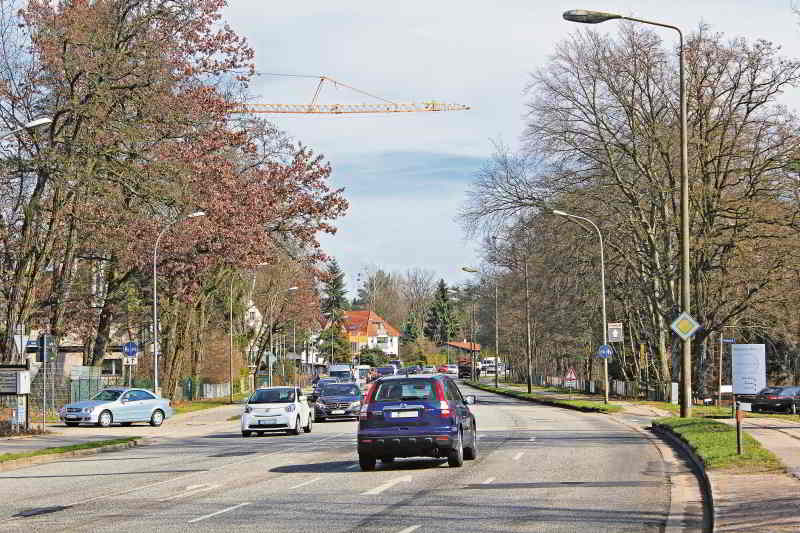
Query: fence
[{"x": 626, "y": 390}]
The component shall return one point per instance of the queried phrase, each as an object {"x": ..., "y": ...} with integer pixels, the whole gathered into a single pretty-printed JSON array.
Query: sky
[{"x": 405, "y": 174}]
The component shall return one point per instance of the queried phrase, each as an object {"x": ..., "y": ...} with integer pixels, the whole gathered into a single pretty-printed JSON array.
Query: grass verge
[
  {"x": 715, "y": 444},
  {"x": 199, "y": 405},
  {"x": 580, "y": 405},
  {"x": 61, "y": 449}
]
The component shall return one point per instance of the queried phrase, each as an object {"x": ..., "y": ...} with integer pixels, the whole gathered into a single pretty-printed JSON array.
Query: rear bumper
[{"x": 405, "y": 446}]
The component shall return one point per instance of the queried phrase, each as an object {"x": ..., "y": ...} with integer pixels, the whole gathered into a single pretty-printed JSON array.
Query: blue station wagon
[
  {"x": 117, "y": 405},
  {"x": 411, "y": 416}
]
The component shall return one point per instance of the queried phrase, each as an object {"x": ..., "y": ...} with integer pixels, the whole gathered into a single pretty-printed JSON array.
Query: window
[
  {"x": 405, "y": 390},
  {"x": 252, "y": 315},
  {"x": 272, "y": 396},
  {"x": 337, "y": 389},
  {"x": 108, "y": 395},
  {"x": 141, "y": 395},
  {"x": 383, "y": 340}
]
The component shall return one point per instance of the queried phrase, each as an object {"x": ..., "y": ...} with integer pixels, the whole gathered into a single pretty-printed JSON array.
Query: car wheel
[
  {"x": 72, "y": 424},
  {"x": 387, "y": 459},
  {"x": 471, "y": 452},
  {"x": 456, "y": 455},
  {"x": 157, "y": 418},
  {"x": 245, "y": 434},
  {"x": 105, "y": 419},
  {"x": 366, "y": 462},
  {"x": 296, "y": 429},
  {"x": 307, "y": 429}
]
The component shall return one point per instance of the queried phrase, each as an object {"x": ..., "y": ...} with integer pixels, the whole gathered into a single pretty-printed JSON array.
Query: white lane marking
[
  {"x": 218, "y": 512},
  {"x": 410, "y": 529},
  {"x": 488, "y": 481},
  {"x": 351, "y": 467},
  {"x": 532, "y": 439},
  {"x": 520, "y": 454},
  {"x": 191, "y": 491},
  {"x": 387, "y": 485},
  {"x": 303, "y": 484}
]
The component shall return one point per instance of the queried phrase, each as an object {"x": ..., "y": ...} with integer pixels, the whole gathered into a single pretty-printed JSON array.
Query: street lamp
[
  {"x": 155, "y": 293},
  {"x": 595, "y": 17},
  {"x": 602, "y": 292},
  {"x": 29, "y": 126}
]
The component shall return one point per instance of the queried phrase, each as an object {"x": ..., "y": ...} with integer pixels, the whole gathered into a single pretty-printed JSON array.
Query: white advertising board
[{"x": 749, "y": 368}]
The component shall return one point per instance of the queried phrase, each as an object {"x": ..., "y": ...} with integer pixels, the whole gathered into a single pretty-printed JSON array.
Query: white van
[{"x": 341, "y": 372}]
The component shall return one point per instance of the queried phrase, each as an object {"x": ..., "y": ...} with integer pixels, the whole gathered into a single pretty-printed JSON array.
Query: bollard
[{"x": 739, "y": 418}]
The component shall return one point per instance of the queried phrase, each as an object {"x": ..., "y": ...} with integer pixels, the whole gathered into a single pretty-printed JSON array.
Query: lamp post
[
  {"x": 155, "y": 294},
  {"x": 602, "y": 292},
  {"x": 595, "y": 17}
]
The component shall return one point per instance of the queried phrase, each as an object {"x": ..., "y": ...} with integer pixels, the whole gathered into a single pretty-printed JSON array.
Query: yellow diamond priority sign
[{"x": 685, "y": 326}]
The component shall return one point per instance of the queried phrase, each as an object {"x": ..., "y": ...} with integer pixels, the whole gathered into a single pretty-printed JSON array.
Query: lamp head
[
  {"x": 585, "y": 16},
  {"x": 38, "y": 122},
  {"x": 292, "y": 289},
  {"x": 196, "y": 214},
  {"x": 468, "y": 269}
]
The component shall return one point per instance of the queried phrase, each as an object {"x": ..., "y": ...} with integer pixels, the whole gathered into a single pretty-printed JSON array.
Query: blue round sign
[
  {"x": 130, "y": 349},
  {"x": 604, "y": 352}
]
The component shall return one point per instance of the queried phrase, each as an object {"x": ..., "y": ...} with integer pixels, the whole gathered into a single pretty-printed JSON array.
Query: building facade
[{"x": 367, "y": 329}]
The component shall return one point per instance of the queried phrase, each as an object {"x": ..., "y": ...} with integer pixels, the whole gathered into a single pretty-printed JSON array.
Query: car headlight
[
  {"x": 320, "y": 404},
  {"x": 88, "y": 409},
  {"x": 248, "y": 409},
  {"x": 355, "y": 404},
  {"x": 290, "y": 408}
]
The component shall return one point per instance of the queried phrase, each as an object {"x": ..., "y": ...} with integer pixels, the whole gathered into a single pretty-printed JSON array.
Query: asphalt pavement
[{"x": 539, "y": 469}]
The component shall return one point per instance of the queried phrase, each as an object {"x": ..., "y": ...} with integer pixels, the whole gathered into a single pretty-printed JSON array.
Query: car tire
[
  {"x": 471, "y": 452},
  {"x": 157, "y": 418},
  {"x": 72, "y": 424},
  {"x": 105, "y": 419},
  {"x": 366, "y": 462},
  {"x": 389, "y": 459},
  {"x": 455, "y": 457},
  {"x": 307, "y": 427},
  {"x": 245, "y": 434},
  {"x": 296, "y": 429}
]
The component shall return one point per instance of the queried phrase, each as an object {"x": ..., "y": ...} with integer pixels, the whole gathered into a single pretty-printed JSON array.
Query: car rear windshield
[
  {"x": 272, "y": 396},
  {"x": 385, "y": 370},
  {"x": 401, "y": 390},
  {"x": 341, "y": 390},
  {"x": 772, "y": 391},
  {"x": 107, "y": 395}
]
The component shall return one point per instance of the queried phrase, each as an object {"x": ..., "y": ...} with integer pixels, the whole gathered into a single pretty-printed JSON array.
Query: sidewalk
[
  {"x": 743, "y": 502},
  {"x": 178, "y": 426}
]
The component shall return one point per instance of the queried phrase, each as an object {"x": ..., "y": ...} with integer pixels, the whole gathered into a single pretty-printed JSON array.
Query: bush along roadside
[
  {"x": 578, "y": 405},
  {"x": 715, "y": 444},
  {"x": 6, "y": 457}
]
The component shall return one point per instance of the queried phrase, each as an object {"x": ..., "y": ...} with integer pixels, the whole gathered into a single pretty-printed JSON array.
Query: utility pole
[{"x": 528, "y": 329}]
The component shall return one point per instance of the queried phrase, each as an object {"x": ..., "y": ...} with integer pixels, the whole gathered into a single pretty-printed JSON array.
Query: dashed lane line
[
  {"x": 218, "y": 512},
  {"x": 190, "y": 491},
  {"x": 303, "y": 484},
  {"x": 387, "y": 485},
  {"x": 520, "y": 454},
  {"x": 487, "y": 481},
  {"x": 410, "y": 529}
]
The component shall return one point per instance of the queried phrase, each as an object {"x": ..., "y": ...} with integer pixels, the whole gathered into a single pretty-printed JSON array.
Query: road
[{"x": 539, "y": 469}]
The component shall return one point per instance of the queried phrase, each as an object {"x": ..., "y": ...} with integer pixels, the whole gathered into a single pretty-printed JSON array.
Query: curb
[
  {"x": 54, "y": 457},
  {"x": 536, "y": 400},
  {"x": 706, "y": 484}
]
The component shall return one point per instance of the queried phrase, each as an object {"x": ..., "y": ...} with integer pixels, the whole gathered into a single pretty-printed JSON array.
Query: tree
[
  {"x": 333, "y": 343},
  {"x": 334, "y": 301},
  {"x": 441, "y": 323}
]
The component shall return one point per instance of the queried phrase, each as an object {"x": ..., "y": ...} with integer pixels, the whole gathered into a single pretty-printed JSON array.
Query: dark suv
[
  {"x": 337, "y": 400},
  {"x": 785, "y": 399},
  {"x": 410, "y": 416}
]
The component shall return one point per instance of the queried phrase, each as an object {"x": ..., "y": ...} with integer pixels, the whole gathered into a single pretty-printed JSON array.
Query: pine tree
[
  {"x": 441, "y": 323},
  {"x": 411, "y": 330},
  {"x": 335, "y": 300}
]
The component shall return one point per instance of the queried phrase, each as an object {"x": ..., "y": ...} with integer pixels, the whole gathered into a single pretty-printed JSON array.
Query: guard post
[{"x": 739, "y": 418}]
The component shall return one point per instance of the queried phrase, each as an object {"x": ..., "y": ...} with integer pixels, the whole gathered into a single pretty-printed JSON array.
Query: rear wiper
[{"x": 409, "y": 398}]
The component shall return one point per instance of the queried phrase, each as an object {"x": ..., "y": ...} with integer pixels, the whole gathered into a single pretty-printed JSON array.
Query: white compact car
[{"x": 277, "y": 408}]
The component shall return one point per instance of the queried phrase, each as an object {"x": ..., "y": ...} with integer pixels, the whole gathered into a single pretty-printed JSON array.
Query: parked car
[
  {"x": 338, "y": 400},
  {"x": 388, "y": 370},
  {"x": 410, "y": 416},
  {"x": 776, "y": 399},
  {"x": 118, "y": 405},
  {"x": 452, "y": 369},
  {"x": 276, "y": 408},
  {"x": 442, "y": 369},
  {"x": 428, "y": 369}
]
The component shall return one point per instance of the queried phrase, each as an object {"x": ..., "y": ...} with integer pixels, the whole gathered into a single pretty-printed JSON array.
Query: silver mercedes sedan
[{"x": 118, "y": 406}]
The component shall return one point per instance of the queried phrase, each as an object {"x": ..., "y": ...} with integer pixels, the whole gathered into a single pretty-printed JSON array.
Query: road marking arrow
[{"x": 387, "y": 485}]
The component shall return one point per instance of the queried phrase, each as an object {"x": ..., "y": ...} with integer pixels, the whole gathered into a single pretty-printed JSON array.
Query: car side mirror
[
  {"x": 471, "y": 399},
  {"x": 124, "y": 400}
]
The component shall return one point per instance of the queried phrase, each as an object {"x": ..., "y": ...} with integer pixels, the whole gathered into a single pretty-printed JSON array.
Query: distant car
[
  {"x": 276, "y": 408},
  {"x": 452, "y": 369},
  {"x": 780, "y": 399},
  {"x": 442, "y": 369},
  {"x": 319, "y": 385},
  {"x": 428, "y": 369},
  {"x": 338, "y": 400},
  {"x": 410, "y": 416},
  {"x": 118, "y": 405},
  {"x": 388, "y": 370}
]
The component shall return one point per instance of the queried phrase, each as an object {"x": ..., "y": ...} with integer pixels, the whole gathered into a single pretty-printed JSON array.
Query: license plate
[
  {"x": 265, "y": 422},
  {"x": 72, "y": 416},
  {"x": 404, "y": 414},
  {"x": 337, "y": 412}
]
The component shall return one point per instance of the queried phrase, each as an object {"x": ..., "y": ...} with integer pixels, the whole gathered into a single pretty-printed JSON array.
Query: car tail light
[
  {"x": 773, "y": 397},
  {"x": 444, "y": 407},
  {"x": 364, "y": 413}
]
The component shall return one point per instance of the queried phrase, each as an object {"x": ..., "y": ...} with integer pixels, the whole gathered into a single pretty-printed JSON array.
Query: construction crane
[{"x": 387, "y": 106}]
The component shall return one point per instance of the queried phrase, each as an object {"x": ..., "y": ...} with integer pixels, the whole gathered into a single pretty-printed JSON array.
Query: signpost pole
[{"x": 719, "y": 384}]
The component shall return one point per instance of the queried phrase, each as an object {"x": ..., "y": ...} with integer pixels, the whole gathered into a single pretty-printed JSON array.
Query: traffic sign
[
  {"x": 729, "y": 341},
  {"x": 604, "y": 352},
  {"x": 570, "y": 375},
  {"x": 130, "y": 349},
  {"x": 129, "y": 361},
  {"x": 615, "y": 332},
  {"x": 685, "y": 326}
]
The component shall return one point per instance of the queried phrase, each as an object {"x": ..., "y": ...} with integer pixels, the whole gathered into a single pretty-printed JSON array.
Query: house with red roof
[{"x": 367, "y": 329}]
